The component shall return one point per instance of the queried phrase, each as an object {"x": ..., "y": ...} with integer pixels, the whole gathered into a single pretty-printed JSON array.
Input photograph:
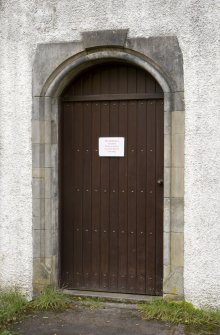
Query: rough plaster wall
[{"x": 23, "y": 24}]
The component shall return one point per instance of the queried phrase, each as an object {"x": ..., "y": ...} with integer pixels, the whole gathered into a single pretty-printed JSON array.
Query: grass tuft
[
  {"x": 51, "y": 299},
  {"x": 180, "y": 312},
  {"x": 7, "y": 332},
  {"x": 12, "y": 306}
]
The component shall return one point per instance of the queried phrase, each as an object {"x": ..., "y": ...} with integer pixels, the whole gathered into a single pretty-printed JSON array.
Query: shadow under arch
[{"x": 61, "y": 77}]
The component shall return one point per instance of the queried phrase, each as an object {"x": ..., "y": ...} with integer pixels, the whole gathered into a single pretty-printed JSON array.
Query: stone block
[
  {"x": 167, "y": 123},
  {"x": 36, "y": 243},
  {"x": 178, "y": 122},
  {"x": 52, "y": 264},
  {"x": 167, "y": 175},
  {"x": 47, "y": 108},
  {"x": 54, "y": 182},
  {"x": 47, "y": 182},
  {"x": 38, "y": 222},
  {"x": 175, "y": 297},
  {"x": 38, "y": 108},
  {"x": 38, "y": 131},
  {"x": 41, "y": 274},
  {"x": 93, "y": 39},
  {"x": 166, "y": 215},
  {"x": 38, "y": 188},
  {"x": 54, "y": 132},
  {"x": 178, "y": 101},
  {"x": 177, "y": 215},
  {"x": 167, "y": 150},
  {"x": 48, "y": 223},
  {"x": 47, "y": 152},
  {"x": 178, "y": 150},
  {"x": 38, "y": 207},
  {"x": 168, "y": 102},
  {"x": 166, "y": 272},
  {"x": 48, "y": 262},
  {"x": 38, "y": 155},
  {"x": 166, "y": 253},
  {"x": 54, "y": 155},
  {"x": 42, "y": 243},
  {"x": 51, "y": 242},
  {"x": 38, "y": 172},
  {"x": 177, "y": 249},
  {"x": 177, "y": 182},
  {"x": 54, "y": 213},
  {"x": 54, "y": 109},
  {"x": 47, "y": 131},
  {"x": 173, "y": 283}
]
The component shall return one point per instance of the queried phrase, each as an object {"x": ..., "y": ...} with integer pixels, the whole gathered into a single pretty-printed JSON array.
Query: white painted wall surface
[{"x": 23, "y": 24}]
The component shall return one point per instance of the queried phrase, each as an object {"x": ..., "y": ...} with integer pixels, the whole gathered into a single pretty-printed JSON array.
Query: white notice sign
[{"x": 111, "y": 146}]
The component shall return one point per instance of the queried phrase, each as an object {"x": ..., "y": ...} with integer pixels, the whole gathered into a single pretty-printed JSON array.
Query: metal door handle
[{"x": 160, "y": 182}]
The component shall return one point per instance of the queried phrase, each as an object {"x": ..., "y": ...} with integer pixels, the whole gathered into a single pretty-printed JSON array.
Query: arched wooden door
[{"x": 112, "y": 207}]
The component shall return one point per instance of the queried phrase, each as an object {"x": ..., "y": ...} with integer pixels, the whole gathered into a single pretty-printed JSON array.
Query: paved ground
[{"x": 108, "y": 319}]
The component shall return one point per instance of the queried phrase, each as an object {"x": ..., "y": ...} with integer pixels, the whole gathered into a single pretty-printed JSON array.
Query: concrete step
[{"x": 112, "y": 297}]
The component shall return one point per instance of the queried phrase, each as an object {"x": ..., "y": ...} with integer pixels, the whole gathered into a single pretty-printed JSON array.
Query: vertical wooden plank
[
  {"x": 123, "y": 208},
  {"x": 96, "y": 82},
  {"x": 77, "y": 133},
  {"x": 95, "y": 196},
  {"x": 104, "y": 210},
  {"x": 132, "y": 80},
  {"x": 77, "y": 87},
  {"x": 87, "y": 84},
  {"x": 151, "y": 196},
  {"x": 141, "y": 196},
  {"x": 95, "y": 184},
  {"x": 132, "y": 183},
  {"x": 113, "y": 205},
  {"x": 87, "y": 227},
  {"x": 141, "y": 87},
  {"x": 67, "y": 195},
  {"x": 150, "y": 83},
  {"x": 159, "y": 194},
  {"x": 122, "y": 79},
  {"x": 132, "y": 209},
  {"x": 113, "y": 80},
  {"x": 104, "y": 78}
]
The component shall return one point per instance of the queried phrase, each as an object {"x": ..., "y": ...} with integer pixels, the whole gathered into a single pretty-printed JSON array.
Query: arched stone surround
[{"x": 54, "y": 67}]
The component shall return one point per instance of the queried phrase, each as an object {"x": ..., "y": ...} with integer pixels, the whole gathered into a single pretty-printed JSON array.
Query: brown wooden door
[{"x": 112, "y": 208}]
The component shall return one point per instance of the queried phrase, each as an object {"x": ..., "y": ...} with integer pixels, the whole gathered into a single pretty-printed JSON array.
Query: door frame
[{"x": 45, "y": 148}]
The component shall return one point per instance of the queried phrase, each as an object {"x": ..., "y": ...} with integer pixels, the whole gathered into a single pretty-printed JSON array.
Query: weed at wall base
[
  {"x": 51, "y": 299},
  {"x": 12, "y": 306},
  {"x": 180, "y": 312}
]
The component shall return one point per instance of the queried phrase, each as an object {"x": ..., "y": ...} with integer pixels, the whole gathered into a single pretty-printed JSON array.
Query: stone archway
[{"x": 45, "y": 139}]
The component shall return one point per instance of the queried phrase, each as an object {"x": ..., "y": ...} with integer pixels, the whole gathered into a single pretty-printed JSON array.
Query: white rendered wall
[{"x": 23, "y": 24}]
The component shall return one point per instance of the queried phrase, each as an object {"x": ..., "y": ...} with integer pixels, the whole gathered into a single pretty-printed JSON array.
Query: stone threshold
[{"x": 112, "y": 297}]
